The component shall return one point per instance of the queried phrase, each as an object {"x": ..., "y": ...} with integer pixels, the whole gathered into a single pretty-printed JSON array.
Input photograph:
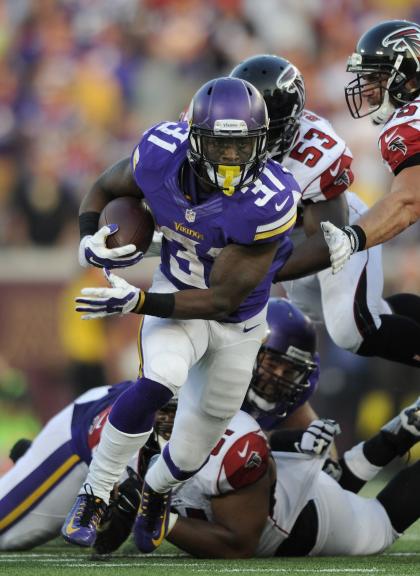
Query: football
[{"x": 135, "y": 223}]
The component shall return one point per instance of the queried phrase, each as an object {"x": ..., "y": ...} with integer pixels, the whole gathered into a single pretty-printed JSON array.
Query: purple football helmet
[
  {"x": 228, "y": 134},
  {"x": 387, "y": 67},
  {"x": 285, "y": 361},
  {"x": 283, "y": 89}
]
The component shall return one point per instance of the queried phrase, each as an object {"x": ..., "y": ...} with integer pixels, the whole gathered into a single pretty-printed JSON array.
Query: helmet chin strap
[{"x": 381, "y": 115}]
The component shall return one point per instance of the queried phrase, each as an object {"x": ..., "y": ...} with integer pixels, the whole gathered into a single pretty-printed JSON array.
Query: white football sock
[
  {"x": 359, "y": 465},
  {"x": 111, "y": 457}
]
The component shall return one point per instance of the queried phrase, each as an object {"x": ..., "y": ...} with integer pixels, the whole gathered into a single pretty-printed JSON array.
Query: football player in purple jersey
[
  {"x": 286, "y": 370},
  {"x": 386, "y": 87},
  {"x": 225, "y": 212},
  {"x": 351, "y": 305}
]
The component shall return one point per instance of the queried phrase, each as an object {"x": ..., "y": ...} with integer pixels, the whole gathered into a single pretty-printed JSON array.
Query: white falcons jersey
[
  {"x": 320, "y": 161},
  {"x": 240, "y": 458},
  {"x": 400, "y": 137}
]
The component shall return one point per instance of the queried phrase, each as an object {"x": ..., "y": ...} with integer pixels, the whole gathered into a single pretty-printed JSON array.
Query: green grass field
[{"x": 61, "y": 559}]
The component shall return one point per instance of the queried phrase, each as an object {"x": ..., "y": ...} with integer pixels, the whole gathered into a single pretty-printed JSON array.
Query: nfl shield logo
[{"x": 189, "y": 215}]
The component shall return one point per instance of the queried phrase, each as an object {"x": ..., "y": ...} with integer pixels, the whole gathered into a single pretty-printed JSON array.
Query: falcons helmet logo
[{"x": 405, "y": 39}]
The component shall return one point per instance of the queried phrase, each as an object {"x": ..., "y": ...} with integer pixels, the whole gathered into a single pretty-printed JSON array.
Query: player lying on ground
[
  {"x": 351, "y": 305},
  {"x": 251, "y": 501},
  {"x": 37, "y": 493}
]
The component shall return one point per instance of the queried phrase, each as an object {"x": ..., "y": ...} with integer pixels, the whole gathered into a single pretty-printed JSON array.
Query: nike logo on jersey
[
  {"x": 334, "y": 171},
  {"x": 242, "y": 453},
  {"x": 246, "y": 329},
  {"x": 280, "y": 206},
  {"x": 390, "y": 136}
]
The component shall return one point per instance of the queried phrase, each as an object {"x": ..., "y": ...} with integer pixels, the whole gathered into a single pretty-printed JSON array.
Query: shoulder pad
[
  {"x": 244, "y": 463},
  {"x": 159, "y": 144}
]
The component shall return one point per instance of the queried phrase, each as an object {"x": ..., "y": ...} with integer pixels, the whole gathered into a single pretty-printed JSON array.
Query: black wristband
[
  {"x": 357, "y": 237},
  {"x": 88, "y": 223},
  {"x": 161, "y": 305},
  {"x": 361, "y": 237}
]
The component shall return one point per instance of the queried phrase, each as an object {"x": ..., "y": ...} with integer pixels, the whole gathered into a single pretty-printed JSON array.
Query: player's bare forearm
[
  {"x": 307, "y": 258},
  {"x": 300, "y": 418},
  {"x": 395, "y": 211},
  {"x": 312, "y": 255},
  {"x": 335, "y": 210},
  {"x": 239, "y": 519},
  {"x": 206, "y": 539},
  {"x": 117, "y": 180},
  {"x": 235, "y": 273}
]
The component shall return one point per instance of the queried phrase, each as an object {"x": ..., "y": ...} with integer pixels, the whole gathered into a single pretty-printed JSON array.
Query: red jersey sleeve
[
  {"x": 337, "y": 178},
  {"x": 399, "y": 143},
  {"x": 95, "y": 429},
  {"x": 244, "y": 463}
]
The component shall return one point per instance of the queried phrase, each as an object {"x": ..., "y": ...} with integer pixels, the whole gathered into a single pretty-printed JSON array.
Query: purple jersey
[
  {"x": 270, "y": 421},
  {"x": 194, "y": 233}
]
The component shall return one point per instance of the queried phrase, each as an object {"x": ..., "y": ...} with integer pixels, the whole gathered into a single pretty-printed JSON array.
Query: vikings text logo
[
  {"x": 405, "y": 39},
  {"x": 398, "y": 145}
]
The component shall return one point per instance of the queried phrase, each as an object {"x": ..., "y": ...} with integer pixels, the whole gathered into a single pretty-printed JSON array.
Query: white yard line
[{"x": 288, "y": 570}]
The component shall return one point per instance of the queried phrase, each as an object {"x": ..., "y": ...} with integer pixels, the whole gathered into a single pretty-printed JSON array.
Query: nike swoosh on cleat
[
  {"x": 69, "y": 527},
  {"x": 158, "y": 541},
  {"x": 246, "y": 329}
]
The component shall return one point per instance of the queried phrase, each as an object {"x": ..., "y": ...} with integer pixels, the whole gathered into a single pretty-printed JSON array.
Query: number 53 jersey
[{"x": 194, "y": 233}]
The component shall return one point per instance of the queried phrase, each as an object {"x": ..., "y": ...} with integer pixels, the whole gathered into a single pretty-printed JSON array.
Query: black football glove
[
  {"x": 120, "y": 515},
  {"x": 150, "y": 449}
]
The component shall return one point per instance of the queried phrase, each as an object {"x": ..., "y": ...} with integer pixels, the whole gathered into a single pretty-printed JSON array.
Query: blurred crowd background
[{"x": 79, "y": 82}]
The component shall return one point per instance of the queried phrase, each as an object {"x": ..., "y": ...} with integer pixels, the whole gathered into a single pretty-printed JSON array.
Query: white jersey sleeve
[
  {"x": 399, "y": 140},
  {"x": 320, "y": 161}
]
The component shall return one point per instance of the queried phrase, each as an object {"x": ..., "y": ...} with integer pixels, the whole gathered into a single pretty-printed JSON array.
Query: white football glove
[
  {"x": 121, "y": 298},
  {"x": 318, "y": 437},
  {"x": 93, "y": 250},
  {"x": 341, "y": 244}
]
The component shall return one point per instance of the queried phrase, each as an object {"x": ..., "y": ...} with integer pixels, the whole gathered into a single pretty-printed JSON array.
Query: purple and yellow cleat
[
  {"x": 152, "y": 520},
  {"x": 84, "y": 518}
]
